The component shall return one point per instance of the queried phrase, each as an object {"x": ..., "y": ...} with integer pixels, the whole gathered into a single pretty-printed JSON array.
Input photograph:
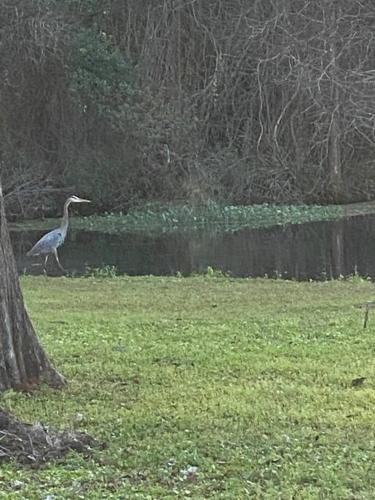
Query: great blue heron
[{"x": 50, "y": 242}]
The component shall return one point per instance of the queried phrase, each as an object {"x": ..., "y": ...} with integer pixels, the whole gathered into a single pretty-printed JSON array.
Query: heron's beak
[{"x": 82, "y": 200}]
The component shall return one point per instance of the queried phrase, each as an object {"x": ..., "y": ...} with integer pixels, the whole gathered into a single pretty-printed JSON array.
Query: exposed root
[{"x": 37, "y": 444}]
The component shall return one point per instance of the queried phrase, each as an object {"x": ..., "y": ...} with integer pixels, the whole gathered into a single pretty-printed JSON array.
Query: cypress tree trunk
[{"x": 23, "y": 362}]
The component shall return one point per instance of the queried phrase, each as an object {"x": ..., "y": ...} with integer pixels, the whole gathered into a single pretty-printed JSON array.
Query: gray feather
[{"x": 48, "y": 243}]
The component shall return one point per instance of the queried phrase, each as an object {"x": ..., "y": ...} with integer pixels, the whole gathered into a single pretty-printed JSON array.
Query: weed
[{"x": 106, "y": 271}]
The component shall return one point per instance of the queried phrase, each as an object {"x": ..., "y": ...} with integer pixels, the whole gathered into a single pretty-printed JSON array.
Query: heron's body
[
  {"x": 50, "y": 242},
  {"x": 47, "y": 243}
]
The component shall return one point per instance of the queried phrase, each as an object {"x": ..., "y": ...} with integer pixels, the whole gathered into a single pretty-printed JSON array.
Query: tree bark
[{"x": 23, "y": 362}]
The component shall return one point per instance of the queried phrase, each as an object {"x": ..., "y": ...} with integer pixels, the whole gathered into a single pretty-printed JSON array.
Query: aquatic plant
[{"x": 185, "y": 218}]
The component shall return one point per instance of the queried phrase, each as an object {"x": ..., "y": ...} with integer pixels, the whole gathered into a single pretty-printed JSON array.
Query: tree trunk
[
  {"x": 334, "y": 144},
  {"x": 334, "y": 153},
  {"x": 23, "y": 362}
]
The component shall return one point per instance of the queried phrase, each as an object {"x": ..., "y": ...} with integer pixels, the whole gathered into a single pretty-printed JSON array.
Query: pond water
[{"x": 307, "y": 251}]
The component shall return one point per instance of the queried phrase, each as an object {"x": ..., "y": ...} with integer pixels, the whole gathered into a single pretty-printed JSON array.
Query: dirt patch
[{"x": 36, "y": 444}]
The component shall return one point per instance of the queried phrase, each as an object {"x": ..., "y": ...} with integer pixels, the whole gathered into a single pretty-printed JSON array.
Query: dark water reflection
[{"x": 314, "y": 250}]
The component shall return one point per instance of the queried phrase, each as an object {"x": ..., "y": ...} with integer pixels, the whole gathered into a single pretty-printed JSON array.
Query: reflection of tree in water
[
  {"x": 315, "y": 250},
  {"x": 273, "y": 251},
  {"x": 303, "y": 251},
  {"x": 337, "y": 264}
]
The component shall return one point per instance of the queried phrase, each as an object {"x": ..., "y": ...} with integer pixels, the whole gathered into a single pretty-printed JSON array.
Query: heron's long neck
[{"x": 65, "y": 220}]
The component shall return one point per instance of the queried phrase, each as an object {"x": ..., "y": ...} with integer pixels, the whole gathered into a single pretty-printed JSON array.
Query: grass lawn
[{"x": 204, "y": 387}]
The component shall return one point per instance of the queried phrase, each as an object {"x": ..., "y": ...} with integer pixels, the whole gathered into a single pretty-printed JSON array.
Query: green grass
[
  {"x": 181, "y": 218},
  {"x": 248, "y": 380}
]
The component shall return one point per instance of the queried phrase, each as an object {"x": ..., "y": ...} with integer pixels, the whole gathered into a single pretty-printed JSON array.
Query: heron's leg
[
  {"x": 57, "y": 260},
  {"x": 45, "y": 264}
]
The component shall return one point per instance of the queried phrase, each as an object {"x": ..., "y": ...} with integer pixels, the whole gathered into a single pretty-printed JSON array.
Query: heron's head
[{"x": 76, "y": 199}]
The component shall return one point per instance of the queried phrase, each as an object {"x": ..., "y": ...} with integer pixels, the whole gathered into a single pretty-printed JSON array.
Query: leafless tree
[{"x": 245, "y": 102}]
